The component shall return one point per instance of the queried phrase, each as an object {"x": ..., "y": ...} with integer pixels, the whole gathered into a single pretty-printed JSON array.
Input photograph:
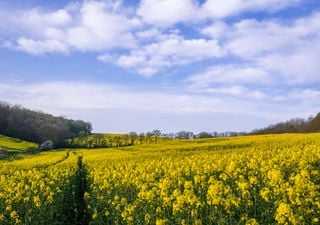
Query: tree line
[
  {"x": 35, "y": 126},
  {"x": 99, "y": 140},
  {"x": 297, "y": 125},
  {"x": 38, "y": 127}
]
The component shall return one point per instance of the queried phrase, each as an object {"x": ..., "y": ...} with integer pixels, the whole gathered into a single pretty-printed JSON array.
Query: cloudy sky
[{"x": 168, "y": 64}]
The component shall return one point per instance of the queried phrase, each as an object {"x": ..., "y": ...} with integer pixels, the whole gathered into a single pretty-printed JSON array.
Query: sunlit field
[
  {"x": 271, "y": 179},
  {"x": 15, "y": 145}
]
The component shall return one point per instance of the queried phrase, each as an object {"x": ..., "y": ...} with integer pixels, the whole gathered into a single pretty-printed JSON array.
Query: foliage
[
  {"x": 184, "y": 135},
  {"x": 204, "y": 135},
  {"x": 297, "y": 125},
  {"x": 38, "y": 127}
]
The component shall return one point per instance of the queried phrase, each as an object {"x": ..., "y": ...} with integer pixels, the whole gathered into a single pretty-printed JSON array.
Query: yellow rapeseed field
[
  {"x": 35, "y": 190},
  {"x": 270, "y": 179}
]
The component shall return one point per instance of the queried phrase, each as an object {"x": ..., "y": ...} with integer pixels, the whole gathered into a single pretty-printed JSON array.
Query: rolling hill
[{"x": 16, "y": 145}]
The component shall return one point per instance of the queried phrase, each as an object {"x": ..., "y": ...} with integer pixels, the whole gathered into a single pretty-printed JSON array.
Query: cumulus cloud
[
  {"x": 170, "y": 12},
  {"x": 217, "y": 29},
  {"x": 285, "y": 50},
  {"x": 33, "y": 22},
  {"x": 101, "y": 29},
  {"x": 40, "y": 47},
  {"x": 300, "y": 67},
  {"x": 102, "y": 25},
  {"x": 167, "y": 12},
  {"x": 166, "y": 53},
  {"x": 90, "y": 26},
  {"x": 151, "y": 42}
]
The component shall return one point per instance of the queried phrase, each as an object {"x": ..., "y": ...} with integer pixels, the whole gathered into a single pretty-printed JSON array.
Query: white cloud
[
  {"x": 220, "y": 9},
  {"x": 156, "y": 56},
  {"x": 148, "y": 33},
  {"x": 101, "y": 29},
  {"x": 240, "y": 92},
  {"x": 300, "y": 67},
  {"x": 166, "y": 12},
  {"x": 231, "y": 74},
  {"x": 33, "y": 22},
  {"x": 304, "y": 94},
  {"x": 148, "y": 49},
  {"x": 269, "y": 45},
  {"x": 56, "y": 18},
  {"x": 169, "y": 12},
  {"x": 251, "y": 38},
  {"x": 41, "y": 47},
  {"x": 90, "y": 26},
  {"x": 286, "y": 50},
  {"x": 216, "y": 30},
  {"x": 60, "y": 96}
]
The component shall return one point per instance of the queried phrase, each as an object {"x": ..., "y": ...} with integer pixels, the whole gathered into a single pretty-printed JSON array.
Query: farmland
[
  {"x": 269, "y": 179},
  {"x": 15, "y": 145}
]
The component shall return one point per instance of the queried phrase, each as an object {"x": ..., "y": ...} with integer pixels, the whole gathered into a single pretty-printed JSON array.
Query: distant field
[
  {"x": 15, "y": 145},
  {"x": 270, "y": 179}
]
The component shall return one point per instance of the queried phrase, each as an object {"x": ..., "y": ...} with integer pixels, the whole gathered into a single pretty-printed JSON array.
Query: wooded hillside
[
  {"x": 25, "y": 124},
  {"x": 298, "y": 125}
]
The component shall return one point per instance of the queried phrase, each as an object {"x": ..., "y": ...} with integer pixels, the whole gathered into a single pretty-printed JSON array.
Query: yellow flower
[
  {"x": 265, "y": 192},
  {"x": 284, "y": 214},
  {"x": 147, "y": 218},
  {"x": 14, "y": 214},
  {"x": 252, "y": 222},
  {"x": 94, "y": 215},
  {"x": 160, "y": 222}
]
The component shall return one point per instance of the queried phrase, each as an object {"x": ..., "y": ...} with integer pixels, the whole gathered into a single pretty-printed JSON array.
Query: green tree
[
  {"x": 133, "y": 136},
  {"x": 156, "y": 134}
]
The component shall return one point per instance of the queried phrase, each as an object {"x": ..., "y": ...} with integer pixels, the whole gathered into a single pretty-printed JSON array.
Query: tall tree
[
  {"x": 133, "y": 136},
  {"x": 156, "y": 134},
  {"x": 141, "y": 138}
]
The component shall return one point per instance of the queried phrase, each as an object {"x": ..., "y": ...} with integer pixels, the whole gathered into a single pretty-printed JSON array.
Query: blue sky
[{"x": 212, "y": 65}]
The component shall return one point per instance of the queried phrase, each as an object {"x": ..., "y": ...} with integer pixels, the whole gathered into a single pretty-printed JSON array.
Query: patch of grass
[{"x": 13, "y": 145}]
